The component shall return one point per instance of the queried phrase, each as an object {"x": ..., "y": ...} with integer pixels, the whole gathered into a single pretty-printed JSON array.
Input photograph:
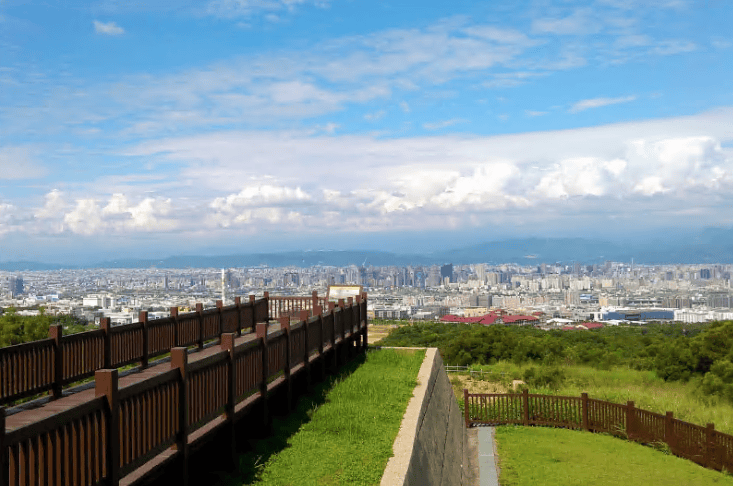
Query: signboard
[{"x": 336, "y": 292}]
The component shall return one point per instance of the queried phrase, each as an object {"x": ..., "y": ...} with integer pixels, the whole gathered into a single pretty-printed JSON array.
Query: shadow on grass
[{"x": 258, "y": 452}]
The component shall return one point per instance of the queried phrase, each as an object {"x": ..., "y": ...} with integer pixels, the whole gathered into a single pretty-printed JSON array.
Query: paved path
[{"x": 488, "y": 475}]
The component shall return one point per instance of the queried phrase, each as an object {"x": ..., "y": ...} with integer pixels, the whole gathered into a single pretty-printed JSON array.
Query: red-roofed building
[
  {"x": 520, "y": 320},
  {"x": 591, "y": 325}
]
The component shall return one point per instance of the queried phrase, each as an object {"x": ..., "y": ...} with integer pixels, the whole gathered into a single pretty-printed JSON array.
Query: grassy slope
[
  {"x": 620, "y": 385},
  {"x": 349, "y": 438},
  {"x": 535, "y": 455}
]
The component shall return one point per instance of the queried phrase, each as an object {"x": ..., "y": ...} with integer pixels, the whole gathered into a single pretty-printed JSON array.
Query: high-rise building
[
  {"x": 15, "y": 286},
  {"x": 446, "y": 271}
]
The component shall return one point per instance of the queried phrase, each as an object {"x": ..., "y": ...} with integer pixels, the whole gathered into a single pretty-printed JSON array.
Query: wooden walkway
[{"x": 25, "y": 417}]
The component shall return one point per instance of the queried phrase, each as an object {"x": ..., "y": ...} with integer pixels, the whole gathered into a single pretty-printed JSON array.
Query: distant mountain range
[{"x": 709, "y": 246}]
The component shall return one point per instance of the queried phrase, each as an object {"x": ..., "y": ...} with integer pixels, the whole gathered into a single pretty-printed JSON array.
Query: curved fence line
[
  {"x": 103, "y": 439},
  {"x": 51, "y": 364},
  {"x": 703, "y": 445}
]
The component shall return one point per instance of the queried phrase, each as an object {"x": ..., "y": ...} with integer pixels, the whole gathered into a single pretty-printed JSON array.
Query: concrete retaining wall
[{"x": 431, "y": 447}]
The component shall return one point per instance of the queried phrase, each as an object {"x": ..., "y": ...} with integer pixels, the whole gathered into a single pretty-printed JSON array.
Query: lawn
[
  {"x": 546, "y": 456},
  {"x": 343, "y": 435}
]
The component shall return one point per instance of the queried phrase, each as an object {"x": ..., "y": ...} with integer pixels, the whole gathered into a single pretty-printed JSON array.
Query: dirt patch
[
  {"x": 377, "y": 332},
  {"x": 459, "y": 382}
]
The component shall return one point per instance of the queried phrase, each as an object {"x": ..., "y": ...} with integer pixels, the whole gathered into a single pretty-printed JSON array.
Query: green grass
[
  {"x": 343, "y": 435},
  {"x": 535, "y": 455},
  {"x": 621, "y": 384}
]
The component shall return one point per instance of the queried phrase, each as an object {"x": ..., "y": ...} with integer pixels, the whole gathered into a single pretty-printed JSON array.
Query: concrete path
[{"x": 488, "y": 475}]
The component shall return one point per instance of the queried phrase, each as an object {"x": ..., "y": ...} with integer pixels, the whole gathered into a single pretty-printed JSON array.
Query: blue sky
[{"x": 154, "y": 128}]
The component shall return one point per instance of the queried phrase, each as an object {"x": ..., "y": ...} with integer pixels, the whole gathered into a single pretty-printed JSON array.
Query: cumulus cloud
[
  {"x": 266, "y": 202},
  {"x": 53, "y": 209},
  {"x": 583, "y": 105},
  {"x": 108, "y": 28},
  {"x": 88, "y": 217}
]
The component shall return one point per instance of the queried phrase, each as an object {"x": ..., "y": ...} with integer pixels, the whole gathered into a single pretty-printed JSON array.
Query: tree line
[
  {"x": 17, "y": 329},
  {"x": 676, "y": 352}
]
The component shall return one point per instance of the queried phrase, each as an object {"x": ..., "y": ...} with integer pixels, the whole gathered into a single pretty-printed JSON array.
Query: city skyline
[{"x": 134, "y": 130}]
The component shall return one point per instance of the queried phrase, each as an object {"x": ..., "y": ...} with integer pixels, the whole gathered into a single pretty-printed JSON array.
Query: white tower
[{"x": 223, "y": 287}]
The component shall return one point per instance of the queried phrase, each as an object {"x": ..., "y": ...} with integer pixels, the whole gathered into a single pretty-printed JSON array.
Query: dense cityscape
[{"x": 547, "y": 295}]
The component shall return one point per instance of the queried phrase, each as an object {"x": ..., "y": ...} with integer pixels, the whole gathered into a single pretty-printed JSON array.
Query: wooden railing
[
  {"x": 50, "y": 364},
  {"x": 703, "y": 445},
  {"x": 108, "y": 437},
  {"x": 291, "y": 305}
]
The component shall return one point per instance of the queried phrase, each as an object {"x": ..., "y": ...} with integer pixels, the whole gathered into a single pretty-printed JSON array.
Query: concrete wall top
[{"x": 430, "y": 448}]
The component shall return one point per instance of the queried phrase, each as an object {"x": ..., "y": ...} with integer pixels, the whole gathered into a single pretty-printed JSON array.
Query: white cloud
[
  {"x": 108, "y": 28},
  {"x": 265, "y": 194},
  {"x": 671, "y": 47},
  {"x": 580, "y": 22},
  {"x": 118, "y": 216},
  {"x": 20, "y": 163},
  {"x": 443, "y": 124},
  {"x": 412, "y": 183},
  {"x": 650, "y": 185},
  {"x": 86, "y": 218},
  {"x": 583, "y": 176},
  {"x": 7, "y": 218},
  {"x": 249, "y": 8},
  {"x": 54, "y": 205},
  {"x": 377, "y": 115},
  {"x": 583, "y": 105}
]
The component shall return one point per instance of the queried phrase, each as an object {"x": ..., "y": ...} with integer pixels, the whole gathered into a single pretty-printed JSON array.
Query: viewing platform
[{"x": 125, "y": 429}]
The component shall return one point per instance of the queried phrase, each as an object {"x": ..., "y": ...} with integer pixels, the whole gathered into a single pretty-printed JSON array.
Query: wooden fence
[
  {"x": 50, "y": 364},
  {"x": 703, "y": 445},
  {"x": 289, "y": 305},
  {"x": 112, "y": 435}
]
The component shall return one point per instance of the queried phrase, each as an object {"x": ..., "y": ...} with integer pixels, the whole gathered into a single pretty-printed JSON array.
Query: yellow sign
[{"x": 337, "y": 292}]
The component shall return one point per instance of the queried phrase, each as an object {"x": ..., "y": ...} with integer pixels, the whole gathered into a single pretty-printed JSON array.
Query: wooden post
[
  {"x": 56, "y": 332},
  {"x": 319, "y": 326},
  {"x": 343, "y": 347},
  {"x": 357, "y": 318},
  {"x": 107, "y": 385},
  {"x": 314, "y": 298},
  {"x": 266, "y": 296},
  {"x": 584, "y": 411},
  {"x": 630, "y": 420},
  {"x": 262, "y": 336},
  {"x": 143, "y": 318},
  {"x": 238, "y": 304},
  {"x": 174, "y": 318},
  {"x": 200, "y": 314},
  {"x": 179, "y": 360},
  {"x": 525, "y": 407},
  {"x": 466, "y": 414},
  {"x": 254, "y": 318},
  {"x": 366, "y": 320},
  {"x": 227, "y": 343},
  {"x": 285, "y": 326},
  {"x": 669, "y": 435},
  {"x": 334, "y": 354},
  {"x": 306, "y": 349},
  {"x": 709, "y": 458},
  {"x": 4, "y": 454},
  {"x": 219, "y": 306},
  {"x": 105, "y": 326}
]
